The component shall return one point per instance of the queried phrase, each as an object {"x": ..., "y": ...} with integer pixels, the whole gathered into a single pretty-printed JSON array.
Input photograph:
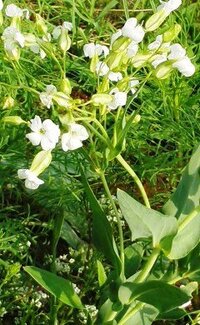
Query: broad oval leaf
[
  {"x": 159, "y": 294},
  {"x": 144, "y": 222},
  {"x": 61, "y": 288}
]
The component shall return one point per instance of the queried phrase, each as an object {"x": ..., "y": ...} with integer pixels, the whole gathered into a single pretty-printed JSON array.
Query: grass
[{"x": 158, "y": 147}]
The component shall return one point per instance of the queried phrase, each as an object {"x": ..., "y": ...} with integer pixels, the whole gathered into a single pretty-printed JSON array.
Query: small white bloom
[
  {"x": 14, "y": 11},
  {"x": 46, "y": 37},
  {"x": 133, "y": 30},
  {"x": 132, "y": 49},
  {"x": 115, "y": 36},
  {"x": 156, "y": 44},
  {"x": 47, "y": 96},
  {"x": 45, "y": 133},
  {"x": 73, "y": 138},
  {"x": 35, "y": 48},
  {"x": 158, "y": 59},
  {"x": 176, "y": 52},
  {"x": 181, "y": 60},
  {"x": 115, "y": 76},
  {"x": 57, "y": 30},
  {"x": 1, "y": 5},
  {"x": 186, "y": 304},
  {"x": 133, "y": 83},
  {"x": 12, "y": 37},
  {"x": 92, "y": 49},
  {"x": 169, "y": 6},
  {"x": 31, "y": 180},
  {"x": 119, "y": 99},
  {"x": 185, "y": 67},
  {"x": 102, "y": 69}
]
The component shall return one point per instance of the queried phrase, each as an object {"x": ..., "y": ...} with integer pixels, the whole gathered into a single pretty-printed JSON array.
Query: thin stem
[
  {"x": 121, "y": 238},
  {"x": 148, "y": 266},
  {"x": 125, "y": 5},
  {"x": 189, "y": 218},
  {"x": 136, "y": 179},
  {"x": 130, "y": 313}
]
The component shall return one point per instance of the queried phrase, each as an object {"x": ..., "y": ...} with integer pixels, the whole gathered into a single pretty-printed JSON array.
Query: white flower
[
  {"x": 186, "y": 304},
  {"x": 156, "y": 44},
  {"x": 12, "y": 39},
  {"x": 176, "y": 52},
  {"x": 57, "y": 30},
  {"x": 101, "y": 68},
  {"x": 47, "y": 96},
  {"x": 35, "y": 48},
  {"x": 133, "y": 83},
  {"x": 132, "y": 49},
  {"x": 13, "y": 11},
  {"x": 73, "y": 138},
  {"x": 133, "y": 30},
  {"x": 92, "y": 49},
  {"x": 31, "y": 180},
  {"x": 181, "y": 60},
  {"x": 115, "y": 36},
  {"x": 185, "y": 67},
  {"x": 45, "y": 133},
  {"x": 158, "y": 59},
  {"x": 115, "y": 76},
  {"x": 119, "y": 99},
  {"x": 1, "y": 5},
  {"x": 169, "y": 6}
]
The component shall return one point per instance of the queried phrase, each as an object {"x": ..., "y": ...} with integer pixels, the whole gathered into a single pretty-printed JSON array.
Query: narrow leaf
[{"x": 57, "y": 286}]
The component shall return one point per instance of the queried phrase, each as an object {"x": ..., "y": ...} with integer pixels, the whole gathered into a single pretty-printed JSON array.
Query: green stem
[
  {"x": 121, "y": 238},
  {"x": 125, "y": 5},
  {"x": 148, "y": 266},
  {"x": 189, "y": 218},
  {"x": 130, "y": 313},
  {"x": 136, "y": 179},
  {"x": 141, "y": 277}
]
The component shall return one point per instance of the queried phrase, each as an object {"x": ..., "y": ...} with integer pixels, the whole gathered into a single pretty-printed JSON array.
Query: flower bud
[
  {"x": 114, "y": 60},
  {"x": 121, "y": 44},
  {"x": 62, "y": 99},
  {"x": 163, "y": 71},
  {"x": 65, "y": 86},
  {"x": 41, "y": 26},
  {"x": 171, "y": 33},
  {"x": 1, "y": 18},
  {"x": 137, "y": 119},
  {"x": 8, "y": 103},
  {"x": 64, "y": 41},
  {"x": 155, "y": 21},
  {"x": 140, "y": 59},
  {"x": 93, "y": 63},
  {"x": 101, "y": 99},
  {"x": 16, "y": 120},
  {"x": 41, "y": 161}
]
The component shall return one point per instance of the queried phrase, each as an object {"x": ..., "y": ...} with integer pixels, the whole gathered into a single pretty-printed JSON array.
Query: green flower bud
[
  {"x": 140, "y": 60},
  {"x": 41, "y": 161},
  {"x": 62, "y": 99},
  {"x": 1, "y": 18},
  {"x": 155, "y": 21},
  {"x": 16, "y": 120},
  {"x": 64, "y": 41},
  {"x": 121, "y": 44},
  {"x": 163, "y": 71},
  {"x": 8, "y": 103},
  {"x": 101, "y": 99},
  {"x": 114, "y": 60},
  {"x": 65, "y": 86},
  {"x": 171, "y": 33},
  {"x": 93, "y": 63},
  {"x": 41, "y": 26}
]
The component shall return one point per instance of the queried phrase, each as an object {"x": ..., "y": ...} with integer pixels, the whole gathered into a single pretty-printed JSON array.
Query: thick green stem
[
  {"x": 141, "y": 277},
  {"x": 189, "y": 218},
  {"x": 105, "y": 184},
  {"x": 136, "y": 179},
  {"x": 148, "y": 266}
]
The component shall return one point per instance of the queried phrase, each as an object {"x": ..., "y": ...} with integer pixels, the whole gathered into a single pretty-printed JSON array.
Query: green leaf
[
  {"x": 106, "y": 9},
  {"x": 57, "y": 286},
  {"x": 176, "y": 313},
  {"x": 187, "y": 237},
  {"x": 159, "y": 294},
  {"x": 187, "y": 195},
  {"x": 102, "y": 232},
  {"x": 144, "y": 222},
  {"x": 145, "y": 316},
  {"x": 70, "y": 236},
  {"x": 101, "y": 273},
  {"x": 133, "y": 258}
]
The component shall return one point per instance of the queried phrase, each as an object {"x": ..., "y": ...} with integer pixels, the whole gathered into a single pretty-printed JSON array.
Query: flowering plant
[{"x": 97, "y": 127}]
